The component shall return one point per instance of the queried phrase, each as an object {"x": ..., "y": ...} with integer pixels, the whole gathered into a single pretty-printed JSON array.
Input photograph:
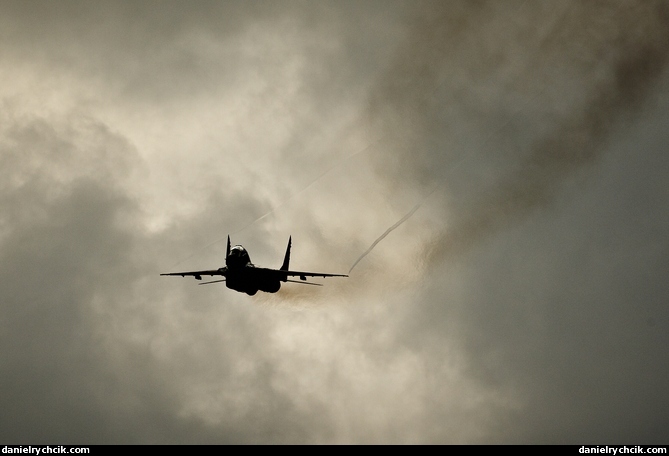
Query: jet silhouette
[{"x": 243, "y": 276}]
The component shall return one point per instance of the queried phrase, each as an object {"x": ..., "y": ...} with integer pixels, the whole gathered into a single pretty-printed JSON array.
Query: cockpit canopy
[{"x": 238, "y": 257}]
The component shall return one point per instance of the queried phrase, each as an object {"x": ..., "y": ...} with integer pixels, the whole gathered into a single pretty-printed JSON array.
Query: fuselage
[{"x": 242, "y": 275}]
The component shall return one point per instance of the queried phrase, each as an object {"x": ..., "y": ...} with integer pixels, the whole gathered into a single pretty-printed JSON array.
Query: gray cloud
[
  {"x": 533, "y": 323},
  {"x": 63, "y": 233}
]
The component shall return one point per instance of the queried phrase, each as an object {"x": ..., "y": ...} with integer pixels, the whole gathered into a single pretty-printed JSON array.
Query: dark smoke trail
[
  {"x": 578, "y": 140},
  {"x": 613, "y": 52}
]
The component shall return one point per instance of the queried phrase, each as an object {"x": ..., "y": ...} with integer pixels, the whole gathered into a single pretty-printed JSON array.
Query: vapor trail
[
  {"x": 294, "y": 195},
  {"x": 388, "y": 231},
  {"x": 392, "y": 228},
  {"x": 288, "y": 200}
]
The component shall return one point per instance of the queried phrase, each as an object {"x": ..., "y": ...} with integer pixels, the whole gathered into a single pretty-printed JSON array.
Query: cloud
[
  {"x": 64, "y": 239},
  {"x": 530, "y": 300}
]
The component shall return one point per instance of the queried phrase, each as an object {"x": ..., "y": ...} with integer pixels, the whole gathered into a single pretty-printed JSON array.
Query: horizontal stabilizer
[{"x": 213, "y": 281}]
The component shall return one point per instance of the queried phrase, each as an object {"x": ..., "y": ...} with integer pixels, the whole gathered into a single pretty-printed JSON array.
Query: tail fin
[
  {"x": 286, "y": 259},
  {"x": 227, "y": 252}
]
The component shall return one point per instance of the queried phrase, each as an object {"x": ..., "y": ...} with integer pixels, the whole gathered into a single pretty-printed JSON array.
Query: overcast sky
[{"x": 525, "y": 301}]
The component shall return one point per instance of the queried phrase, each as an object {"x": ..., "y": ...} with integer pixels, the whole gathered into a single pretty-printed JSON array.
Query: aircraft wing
[
  {"x": 197, "y": 274},
  {"x": 282, "y": 273},
  {"x": 311, "y": 274}
]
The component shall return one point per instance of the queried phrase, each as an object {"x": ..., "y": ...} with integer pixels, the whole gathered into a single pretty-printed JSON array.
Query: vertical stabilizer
[
  {"x": 286, "y": 259},
  {"x": 227, "y": 252}
]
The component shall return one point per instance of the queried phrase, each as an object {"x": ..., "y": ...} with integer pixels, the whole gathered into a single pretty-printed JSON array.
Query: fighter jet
[{"x": 243, "y": 276}]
